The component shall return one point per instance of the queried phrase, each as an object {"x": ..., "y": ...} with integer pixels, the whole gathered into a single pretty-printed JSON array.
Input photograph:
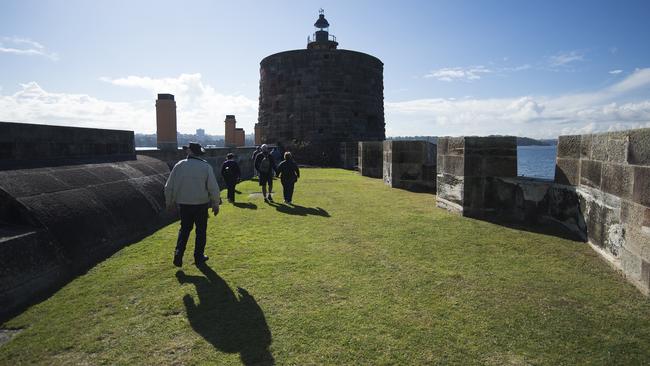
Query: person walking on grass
[
  {"x": 288, "y": 173},
  {"x": 257, "y": 151},
  {"x": 265, "y": 166},
  {"x": 193, "y": 187},
  {"x": 231, "y": 175}
]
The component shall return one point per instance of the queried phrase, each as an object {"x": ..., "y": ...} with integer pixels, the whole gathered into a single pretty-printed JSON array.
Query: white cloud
[
  {"x": 615, "y": 72},
  {"x": 198, "y": 106},
  {"x": 565, "y": 58},
  {"x": 526, "y": 116},
  {"x": 25, "y": 46},
  {"x": 458, "y": 73}
]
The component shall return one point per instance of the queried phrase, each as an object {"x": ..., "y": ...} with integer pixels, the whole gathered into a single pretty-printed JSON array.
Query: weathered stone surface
[
  {"x": 585, "y": 146},
  {"x": 25, "y": 144},
  {"x": 641, "y": 190},
  {"x": 631, "y": 265},
  {"x": 405, "y": 164},
  {"x": 617, "y": 180},
  {"x": 450, "y": 187},
  {"x": 568, "y": 146},
  {"x": 500, "y": 166},
  {"x": 638, "y": 241},
  {"x": 453, "y": 164},
  {"x": 567, "y": 171},
  {"x": 590, "y": 173},
  {"x": 371, "y": 159},
  {"x": 455, "y": 146},
  {"x": 617, "y": 144},
  {"x": 75, "y": 225},
  {"x": 310, "y": 99},
  {"x": 635, "y": 214},
  {"x": 599, "y": 147},
  {"x": 639, "y": 147}
]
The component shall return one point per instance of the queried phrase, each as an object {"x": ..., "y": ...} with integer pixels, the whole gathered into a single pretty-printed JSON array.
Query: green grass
[{"x": 361, "y": 274}]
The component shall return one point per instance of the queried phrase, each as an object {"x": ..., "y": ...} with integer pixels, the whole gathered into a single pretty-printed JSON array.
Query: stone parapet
[
  {"x": 371, "y": 159},
  {"x": 611, "y": 173},
  {"x": 31, "y": 145},
  {"x": 410, "y": 165},
  {"x": 466, "y": 169}
]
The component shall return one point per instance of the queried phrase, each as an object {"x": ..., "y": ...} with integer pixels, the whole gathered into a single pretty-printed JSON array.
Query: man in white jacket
[{"x": 193, "y": 187}]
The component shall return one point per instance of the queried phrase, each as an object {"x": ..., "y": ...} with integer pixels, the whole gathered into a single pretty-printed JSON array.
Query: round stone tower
[{"x": 312, "y": 100}]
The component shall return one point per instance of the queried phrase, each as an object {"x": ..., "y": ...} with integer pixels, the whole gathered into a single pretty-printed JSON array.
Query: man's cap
[{"x": 195, "y": 148}]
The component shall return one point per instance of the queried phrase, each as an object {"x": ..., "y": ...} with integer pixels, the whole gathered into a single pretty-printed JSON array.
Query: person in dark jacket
[
  {"x": 265, "y": 166},
  {"x": 288, "y": 173},
  {"x": 257, "y": 151},
  {"x": 231, "y": 175}
]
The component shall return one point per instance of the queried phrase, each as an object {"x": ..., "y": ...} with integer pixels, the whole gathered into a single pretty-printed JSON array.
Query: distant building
[
  {"x": 200, "y": 132},
  {"x": 314, "y": 99},
  {"x": 234, "y": 136}
]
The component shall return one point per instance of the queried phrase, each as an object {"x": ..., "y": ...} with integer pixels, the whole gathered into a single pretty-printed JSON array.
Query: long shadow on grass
[
  {"x": 300, "y": 210},
  {"x": 232, "y": 323},
  {"x": 248, "y": 205}
]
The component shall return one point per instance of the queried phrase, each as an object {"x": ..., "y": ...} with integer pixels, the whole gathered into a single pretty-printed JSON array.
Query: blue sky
[{"x": 526, "y": 68}]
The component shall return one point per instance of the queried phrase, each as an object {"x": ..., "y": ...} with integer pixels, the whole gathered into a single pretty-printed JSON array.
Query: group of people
[
  {"x": 265, "y": 166},
  {"x": 192, "y": 189}
]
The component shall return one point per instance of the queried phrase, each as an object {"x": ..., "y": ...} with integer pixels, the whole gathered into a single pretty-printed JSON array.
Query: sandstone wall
[
  {"x": 371, "y": 159},
  {"x": 30, "y": 145},
  {"x": 57, "y": 222},
  {"x": 410, "y": 165},
  {"x": 466, "y": 172},
  {"x": 611, "y": 173},
  {"x": 311, "y": 100}
]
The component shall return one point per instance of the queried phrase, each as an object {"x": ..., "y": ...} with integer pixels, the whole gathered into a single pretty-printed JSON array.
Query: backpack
[{"x": 265, "y": 164}]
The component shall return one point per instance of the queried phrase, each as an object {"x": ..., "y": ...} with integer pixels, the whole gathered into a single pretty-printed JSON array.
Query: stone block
[
  {"x": 474, "y": 192},
  {"x": 568, "y": 147},
  {"x": 634, "y": 214},
  {"x": 455, "y": 146},
  {"x": 450, "y": 187},
  {"x": 637, "y": 241},
  {"x": 585, "y": 146},
  {"x": 443, "y": 145},
  {"x": 631, "y": 264},
  {"x": 617, "y": 179},
  {"x": 590, "y": 173},
  {"x": 645, "y": 276},
  {"x": 641, "y": 190},
  {"x": 453, "y": 164},
  {"x": 599, "y": 147},
  {"x": 617, "y": 143},
  {"x": 567, "y": 171},
  {"x": 500, "y": 166},
  {"x": 639, "y": 147}
]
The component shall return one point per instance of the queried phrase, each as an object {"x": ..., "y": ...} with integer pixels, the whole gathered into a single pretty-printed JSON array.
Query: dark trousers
[
  {"x": 287, "y": 190},
  {"x": 192, "y": 215},
  {"x": 231, "y": 190}
]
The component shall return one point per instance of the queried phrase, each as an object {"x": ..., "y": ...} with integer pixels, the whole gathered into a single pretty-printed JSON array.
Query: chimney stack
[{"x": 166, "y": 122}]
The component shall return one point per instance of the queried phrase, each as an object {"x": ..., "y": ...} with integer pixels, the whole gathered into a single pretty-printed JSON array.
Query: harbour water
[{"x": 536, "y": 161}]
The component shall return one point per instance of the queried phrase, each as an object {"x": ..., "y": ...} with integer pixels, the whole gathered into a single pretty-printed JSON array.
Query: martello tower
[{"x": 313, "y": 99}]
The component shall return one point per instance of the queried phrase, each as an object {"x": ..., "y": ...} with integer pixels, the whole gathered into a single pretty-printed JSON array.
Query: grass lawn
[{"x": 358, "y": 273}]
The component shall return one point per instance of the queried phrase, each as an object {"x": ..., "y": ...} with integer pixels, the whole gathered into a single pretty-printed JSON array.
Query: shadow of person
[
  {"x": 232, "y": 323},
  {"x": 248, "y": 205},
  {"x": 294, "y": 209}
]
